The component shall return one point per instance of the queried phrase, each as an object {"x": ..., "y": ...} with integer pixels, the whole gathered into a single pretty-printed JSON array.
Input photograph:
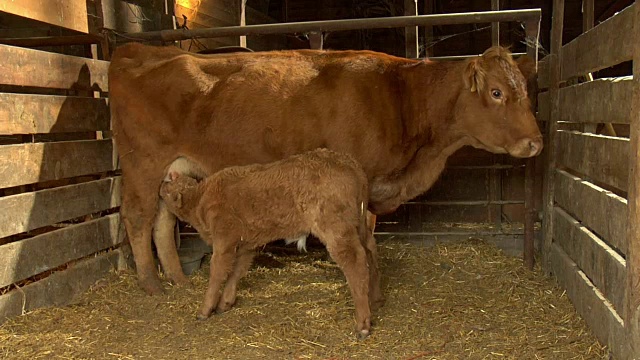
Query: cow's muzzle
[{"x": 527, "y": 147}]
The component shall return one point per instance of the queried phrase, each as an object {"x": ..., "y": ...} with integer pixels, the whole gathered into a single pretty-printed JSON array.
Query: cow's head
[
  {"x": 494, "y": 109},
  {"x": 176, "y": 191}
]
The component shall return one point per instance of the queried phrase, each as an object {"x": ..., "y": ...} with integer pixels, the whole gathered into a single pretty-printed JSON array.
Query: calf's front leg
[
  {"x": 242, "y": 265},
  {"x": 222, "y": 262}
]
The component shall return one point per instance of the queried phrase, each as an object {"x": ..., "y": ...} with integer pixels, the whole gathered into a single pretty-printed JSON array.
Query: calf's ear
[
  {"x": 176, "y": 198},
  {"x": 474, "y": 76}
]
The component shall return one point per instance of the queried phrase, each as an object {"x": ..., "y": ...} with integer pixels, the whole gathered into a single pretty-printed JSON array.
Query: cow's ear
[
  {"x": 474, "y": 76},
  {"x": 527, "y": 67}
]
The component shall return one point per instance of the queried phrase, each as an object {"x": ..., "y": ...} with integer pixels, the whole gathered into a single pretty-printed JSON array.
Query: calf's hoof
[
  {"x": 151, "y": 285},
  {"x": 224, "y": 306}
]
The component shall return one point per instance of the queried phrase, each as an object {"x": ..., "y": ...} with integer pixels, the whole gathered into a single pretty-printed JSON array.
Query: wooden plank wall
[
  {"x": 59, "y": 185},
  {"x": 587, "y": 241}
]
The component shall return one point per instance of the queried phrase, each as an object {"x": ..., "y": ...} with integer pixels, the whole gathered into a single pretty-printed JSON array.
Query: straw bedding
[{"x": 450, "y": 301}]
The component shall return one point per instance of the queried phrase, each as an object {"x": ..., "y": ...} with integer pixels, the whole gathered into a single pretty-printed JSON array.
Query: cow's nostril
[{"x": 534, "y": 146}]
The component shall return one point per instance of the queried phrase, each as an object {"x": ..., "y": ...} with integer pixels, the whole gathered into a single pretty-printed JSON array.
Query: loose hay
[{"x": 453, "y": 301}]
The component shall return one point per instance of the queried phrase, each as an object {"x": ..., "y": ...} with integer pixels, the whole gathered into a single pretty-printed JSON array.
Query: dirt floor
[{"x": 450, "y": 301}]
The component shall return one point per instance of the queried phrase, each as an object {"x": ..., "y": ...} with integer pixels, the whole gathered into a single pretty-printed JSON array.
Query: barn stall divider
[
  {"x": 592, "y": 214},
  {"x": 59, "y": 221}
]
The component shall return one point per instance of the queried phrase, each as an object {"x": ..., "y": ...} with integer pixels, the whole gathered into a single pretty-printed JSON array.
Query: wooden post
[
  {"x": 532, "y": 33},
  {"x": 242, "y": 12},
  {"x": 429, "y": 8},
  {"x": 587, "y": 24},
  {"x": 632, "y": 306},
  {"x": 552, "y": 127},
  {"x": 411, "y": 33},
  {"x": 587, "y": 15},
  {"x": 495, "y": 26}
]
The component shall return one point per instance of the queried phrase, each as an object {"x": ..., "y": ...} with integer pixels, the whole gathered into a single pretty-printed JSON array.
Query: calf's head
[
  {"x": 177, "y": 192},
  {"x": 494, "y": 109}
]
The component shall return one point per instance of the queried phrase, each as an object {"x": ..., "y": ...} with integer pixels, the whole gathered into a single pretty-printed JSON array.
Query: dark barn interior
[{"x": 60, "y": 183}]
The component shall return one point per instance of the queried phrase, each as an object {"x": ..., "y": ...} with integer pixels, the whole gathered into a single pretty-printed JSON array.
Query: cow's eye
[{"x": 497, "y": 94}]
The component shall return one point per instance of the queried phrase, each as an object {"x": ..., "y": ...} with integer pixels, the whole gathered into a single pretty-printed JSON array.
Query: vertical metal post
[
  {"x": 532, "y": 31},
  {"x": 411, "y": 33},
  {"x": 242, "y": 21},
  {"x": 495, "y": 26},
  {"x": 495, "y": 175},
  {"x": 552, "y": 127},
  {"x": 429, "y": 8},
  {"x": 316, "y": 40}
]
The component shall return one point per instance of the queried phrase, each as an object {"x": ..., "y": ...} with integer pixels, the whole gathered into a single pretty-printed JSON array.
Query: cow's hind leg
[
  {"x": 163, "y": 236},
  {"x": 348, "y": 252},
  {"x": 376, "y": 298},
  {"x": 222, "y": 262},
  {"x": 242, "y": 265},
  {"x": 375, "y": 294}
]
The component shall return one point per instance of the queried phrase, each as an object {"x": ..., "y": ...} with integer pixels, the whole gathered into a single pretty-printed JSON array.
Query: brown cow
[
  {"x": 240, "y": 208},
  {"x": 400, "y": 118}
]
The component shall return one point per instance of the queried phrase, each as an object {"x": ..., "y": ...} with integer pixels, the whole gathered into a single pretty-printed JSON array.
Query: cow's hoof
[
  {"x": 363, "y": 334},
  {"x": 180, "y": 281},
  {"x": 377, "y": 303},
  {"x": 202, "y": 317},
  {"x": 151, "y": 286}
]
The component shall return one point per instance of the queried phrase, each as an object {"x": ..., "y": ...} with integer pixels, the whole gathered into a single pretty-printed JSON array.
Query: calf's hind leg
[{"x": 347, "y": 251}]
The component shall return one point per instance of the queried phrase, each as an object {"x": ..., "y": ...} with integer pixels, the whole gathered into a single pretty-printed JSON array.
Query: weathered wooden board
[
  {"x": 25, "y": 258},
  {"x": 605, "y": 100},
  {"x": 632, "y": 307},
  {"x": 604, "y": 322},
  {"x": 28, "y": 211},
  {"x": 588, "y": 203},
  {"x": 602, "y": 158},
  {"x": 604, "y": 267},
  {"x": 543, "y": 73},
  {"x": 28, "y": 67},
  {"x": 35, "y": 162},
  {"x": 544, "y": 106},
  {"x": 32, "y": 114},
  {"x": 609, "y": 43},
  {"x": 70, "y": 14},
  {"x": 59, "y": 289}
]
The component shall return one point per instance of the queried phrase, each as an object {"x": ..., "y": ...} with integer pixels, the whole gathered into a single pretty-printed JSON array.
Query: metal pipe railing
[{"x": 339, "y": 25}]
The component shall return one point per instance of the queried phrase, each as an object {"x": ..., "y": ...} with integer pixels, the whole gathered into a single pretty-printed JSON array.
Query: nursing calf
[{"x": 240, "y": 208}]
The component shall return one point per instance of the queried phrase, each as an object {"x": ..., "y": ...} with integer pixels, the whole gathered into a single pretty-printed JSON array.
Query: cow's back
[{"x": 235, "y": 109}]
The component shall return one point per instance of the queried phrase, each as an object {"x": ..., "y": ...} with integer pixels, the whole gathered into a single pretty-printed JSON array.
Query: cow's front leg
[
  {"x": 137, "y": 212},
  {"x": 163, "y": 236}
]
